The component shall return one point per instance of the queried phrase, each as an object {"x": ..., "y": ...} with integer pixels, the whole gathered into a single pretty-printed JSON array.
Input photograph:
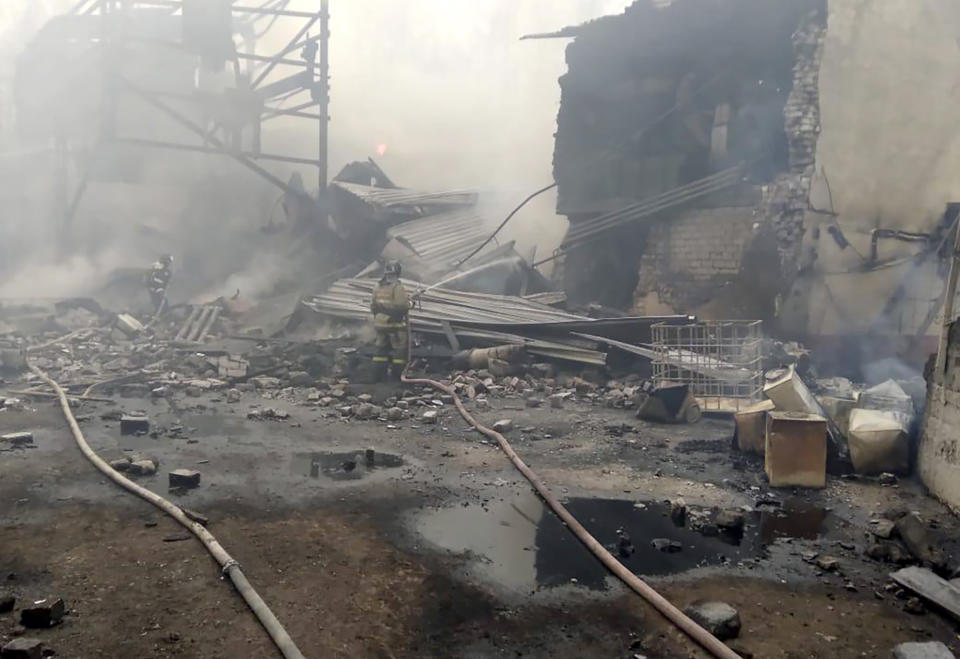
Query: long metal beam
[
  {"x": 196, "y": 148},
  {"x": 189, "y": 124},
  {"x": 289, "y": 48}
]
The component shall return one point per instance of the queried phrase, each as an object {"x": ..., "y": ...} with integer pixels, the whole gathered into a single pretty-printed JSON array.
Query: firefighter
[
  {"x": 391, "y": 310},
  {"x": 158, "y": 278}
]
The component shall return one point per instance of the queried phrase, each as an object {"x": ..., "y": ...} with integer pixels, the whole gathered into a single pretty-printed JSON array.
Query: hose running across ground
[
  {"x": 228, "y": 565},
  {"x": 707, "y": 640}
]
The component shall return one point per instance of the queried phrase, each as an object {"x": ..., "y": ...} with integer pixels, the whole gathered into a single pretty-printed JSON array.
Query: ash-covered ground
[{"x": 373, "y": 530}]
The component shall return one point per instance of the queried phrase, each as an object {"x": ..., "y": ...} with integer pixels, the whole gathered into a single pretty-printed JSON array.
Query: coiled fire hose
[
  {"x": 229, "y": 566},
  {"x": 704, "y": 638}
]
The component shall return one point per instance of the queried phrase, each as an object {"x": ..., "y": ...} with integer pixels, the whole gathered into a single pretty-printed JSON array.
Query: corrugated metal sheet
[
  {"x": 443, "y": 239},
  {"x": 466, "y": 314},
  {"x": 403, "y": 198}
]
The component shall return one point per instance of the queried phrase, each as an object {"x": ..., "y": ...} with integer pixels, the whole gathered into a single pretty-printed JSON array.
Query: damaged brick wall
[
  {"x": 786, "y": 199},
  {"x": 689, "y": 258}
]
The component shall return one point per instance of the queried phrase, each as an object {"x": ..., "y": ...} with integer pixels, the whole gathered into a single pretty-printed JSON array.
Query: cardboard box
[{"x": 796, "y": 449}]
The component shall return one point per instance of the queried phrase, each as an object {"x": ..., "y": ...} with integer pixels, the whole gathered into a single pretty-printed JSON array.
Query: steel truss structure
[{"x": 297, "y": 73}]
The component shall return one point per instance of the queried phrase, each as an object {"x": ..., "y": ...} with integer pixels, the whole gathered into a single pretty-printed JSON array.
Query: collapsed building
[{"x": 764, "y": 160}]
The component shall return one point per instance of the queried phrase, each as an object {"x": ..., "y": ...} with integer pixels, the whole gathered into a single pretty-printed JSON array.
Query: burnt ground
[{"x": 440, "y": 552}]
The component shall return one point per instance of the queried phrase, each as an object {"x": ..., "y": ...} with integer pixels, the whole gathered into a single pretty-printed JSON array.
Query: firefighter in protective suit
[
  {"x": 391, "y": 311},
  {"x": 157, "y": 280}
]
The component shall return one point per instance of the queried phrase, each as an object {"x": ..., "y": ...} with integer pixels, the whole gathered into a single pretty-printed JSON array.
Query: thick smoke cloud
[{"x": 444, "y": 85}]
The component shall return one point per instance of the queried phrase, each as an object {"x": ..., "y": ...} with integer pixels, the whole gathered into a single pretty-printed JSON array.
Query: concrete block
[
  {"x": 43, "y": 613},
  {"x": 795, "y": 451},
  {"x": 184, "y": 478},
  {"x": 17, "y": 438},
  {"x": 133, "y": 424},
  {"x": 430, "y": 416},
  {"x": 129, "y": 325},
  {"x": 22, "y": 648}
]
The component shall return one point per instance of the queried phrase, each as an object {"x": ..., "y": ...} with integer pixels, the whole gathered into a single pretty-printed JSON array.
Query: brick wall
[
  {"x": 938, "y": 456},
  {"x": 689, "y": 257}
]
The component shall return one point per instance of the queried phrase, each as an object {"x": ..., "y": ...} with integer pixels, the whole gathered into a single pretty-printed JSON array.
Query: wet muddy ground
[{"x": 402, "y": 539}]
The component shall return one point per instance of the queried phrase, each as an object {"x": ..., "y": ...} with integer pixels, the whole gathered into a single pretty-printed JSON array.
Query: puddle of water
[
  {"x": 795, "y": 519},
  {"x": 344, "y": 465},
  {"x": 522, "y": 545}
]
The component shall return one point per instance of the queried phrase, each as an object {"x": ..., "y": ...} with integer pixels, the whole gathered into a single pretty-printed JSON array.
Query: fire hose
[
  {"x": 682, "y": 621},
  {"x": 228, "y": 565}
]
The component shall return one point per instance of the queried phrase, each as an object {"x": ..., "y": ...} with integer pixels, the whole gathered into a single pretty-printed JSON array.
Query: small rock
[
  {"x": 365, "y": 398},
  {"x": 233, "y": 395},
  {"x": 888, "y": 479},
  {"x": 930, "y": 650},
  {"x": 503, "y": 426},
  {"x": 883, "y": 528},
  {"x": 718, "y": 618},
  {"x": 666, "y": 545},
  {"x": 43, "y": 613},
  {"x": 915, "y": 606},
  {"x": 403, "y": 404},
  {"x": 827, "y": 563},
  {"x": 395, "y": 414},
  {"x": 367, "y": 411},
  {"x": 143, "y": 467},
  {"x": 187, "y": 478},
  {"x": 121, "y": 464},
  {"x": 556, "y": 401},
  {"x": 22, "y": 648},
  {"x": 7, "y": 603},
  {"x": 430, "y": 416},
  {"x": 482, "y": 404},
  {"x": 534, "y": 402}
]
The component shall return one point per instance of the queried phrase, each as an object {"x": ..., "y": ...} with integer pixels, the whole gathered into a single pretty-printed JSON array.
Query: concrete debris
[
  {"x": 23, "y": 648},
  {"x": 231, "y": 366},
  {"x": 17, "y": 438},
  {"x": 43, "y": 613},
  {"x": 718, "y": 618},
  {"x": 185, "y": 478},
  {"x": 268, "y": 414},
  {"x": 882, "y": 528},
  {"x": 921, "y": 540},
  {"x": 928, "y": 650},
  {"x": 234, "y": 396},
  {"x": 430, "y": 416},
  {"x": 827, "y": 563},
  {"x": 931, "y": 587},
  {"x": 265, "y": 382},
  {"x": 367, "y": 411},
  {"x": 129, "y": 325},
  {"x": 395, "y": 414}
]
